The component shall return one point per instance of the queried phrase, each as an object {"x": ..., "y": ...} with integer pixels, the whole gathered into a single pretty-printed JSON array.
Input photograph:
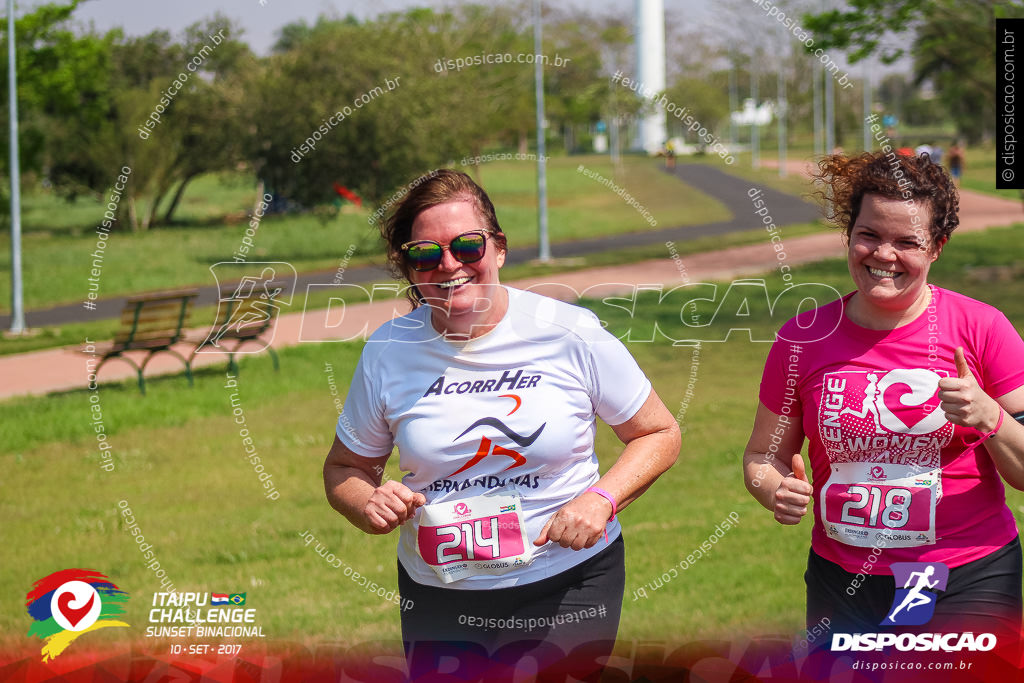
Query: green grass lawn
[
  {"x": 60, "y": 239},
  {"x": 980, "y": 173},
  {"x": 181, "y": 468}
]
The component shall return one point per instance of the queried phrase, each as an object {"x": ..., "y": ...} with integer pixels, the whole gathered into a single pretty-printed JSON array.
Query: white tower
[{"x": 650, "y": 67}]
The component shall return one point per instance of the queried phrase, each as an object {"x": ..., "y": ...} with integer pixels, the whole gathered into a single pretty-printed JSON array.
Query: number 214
[{"x": 474, "y": 538}]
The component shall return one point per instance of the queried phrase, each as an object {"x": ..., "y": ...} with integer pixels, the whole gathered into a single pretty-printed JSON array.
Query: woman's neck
[
  {"x": 860, "y": 311},
  {"x": 463, "y": 328}
]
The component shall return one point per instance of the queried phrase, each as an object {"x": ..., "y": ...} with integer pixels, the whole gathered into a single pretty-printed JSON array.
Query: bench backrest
[
  {"x": 249, "y": 316},
  {"x": 152, "y": 319}
]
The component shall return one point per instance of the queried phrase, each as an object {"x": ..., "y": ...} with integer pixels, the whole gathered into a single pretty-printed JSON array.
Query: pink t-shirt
[{"x": 870, "y": 396}]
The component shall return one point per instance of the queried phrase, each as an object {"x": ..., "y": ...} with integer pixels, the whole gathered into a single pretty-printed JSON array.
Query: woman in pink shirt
[{"x": 907, "y": 394}]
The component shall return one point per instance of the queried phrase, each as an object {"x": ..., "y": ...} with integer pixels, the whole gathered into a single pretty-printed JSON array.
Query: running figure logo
[
  {"x": 914, "y": 603},
  {"x": 485, "y": 448},
  {"x": 252, "y": 303}
]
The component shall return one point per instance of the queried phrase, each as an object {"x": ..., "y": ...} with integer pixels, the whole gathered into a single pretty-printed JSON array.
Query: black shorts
[
  {"x": 980, "y": 596},
  {"x": 565, "y": 621}
]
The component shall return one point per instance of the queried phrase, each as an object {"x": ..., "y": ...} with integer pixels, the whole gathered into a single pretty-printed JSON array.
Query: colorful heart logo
[
  {"x": 70, "y": 603},
  {"x": 75, "y": 605},
  {"x": 72, "y": 614}
]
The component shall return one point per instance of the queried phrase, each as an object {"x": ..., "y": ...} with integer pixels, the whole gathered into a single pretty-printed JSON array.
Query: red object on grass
[{"x": 348, "y": 194}]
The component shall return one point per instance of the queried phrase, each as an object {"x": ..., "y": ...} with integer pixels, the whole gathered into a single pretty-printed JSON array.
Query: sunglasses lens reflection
[
  {"x": 424, "y": 255},
  {"x": 466, "y": 248}
]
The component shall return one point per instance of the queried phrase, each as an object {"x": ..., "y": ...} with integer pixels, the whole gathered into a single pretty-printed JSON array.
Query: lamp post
[
  {"x": 543, "y": 248},
  {"x": 17, "y": 303}
]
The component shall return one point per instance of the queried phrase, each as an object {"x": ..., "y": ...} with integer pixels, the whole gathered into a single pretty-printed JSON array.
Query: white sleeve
[
  {"x": 361, "y": 425},
  {"x": 618, "y": 387}
]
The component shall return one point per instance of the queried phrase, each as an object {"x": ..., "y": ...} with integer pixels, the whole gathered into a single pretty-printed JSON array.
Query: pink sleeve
[
  {"x": 775, "y": 376},
  {"x": 1002, "y": 357}
]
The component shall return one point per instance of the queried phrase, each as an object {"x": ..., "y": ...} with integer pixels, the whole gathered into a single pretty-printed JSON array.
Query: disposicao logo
[
  {"x": 916, "y": 586},
  {"x": 69, "y": 603}
]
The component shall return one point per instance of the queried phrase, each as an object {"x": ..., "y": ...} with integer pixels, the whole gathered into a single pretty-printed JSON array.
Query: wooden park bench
[
  {"x": 152, "y": 323},
  {"x": 241, "y": 318}
]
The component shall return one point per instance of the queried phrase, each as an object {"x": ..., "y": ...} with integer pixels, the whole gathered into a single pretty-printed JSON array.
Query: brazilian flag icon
[{"x": 237, "y": 598}]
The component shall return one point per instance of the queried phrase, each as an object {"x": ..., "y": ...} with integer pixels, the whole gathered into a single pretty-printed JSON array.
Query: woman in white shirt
[{"x": 490, "y": 390}]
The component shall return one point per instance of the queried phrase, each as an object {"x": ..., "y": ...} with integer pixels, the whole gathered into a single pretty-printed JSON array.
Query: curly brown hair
[
  {"x": 847, "y": 179},
  {"x": 430, "y": 190}
]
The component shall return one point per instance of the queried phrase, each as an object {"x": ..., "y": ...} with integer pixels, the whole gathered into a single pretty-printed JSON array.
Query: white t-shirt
[{"x": 532, "y": 385}]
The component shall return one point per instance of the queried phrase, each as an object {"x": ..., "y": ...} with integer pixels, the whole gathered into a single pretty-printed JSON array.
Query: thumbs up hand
[
  {"x": 793, "y": 495},
  {"x": 963, "y": 400}
]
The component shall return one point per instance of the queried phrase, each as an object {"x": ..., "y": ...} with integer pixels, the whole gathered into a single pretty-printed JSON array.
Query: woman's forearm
[
  {"x": 762, "y": 476},
  {"x": 642, "y": 461},
  {"x": 1006, "y": 448},
  {"x": 348, "y": 490}
]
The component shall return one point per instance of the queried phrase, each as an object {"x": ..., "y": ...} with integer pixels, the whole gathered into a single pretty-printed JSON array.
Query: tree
[
  {"x": 333, "y": 108},
  {"x": 706, "y": 99},
  {"x": 576, "y": 91},
  {"x": 169, "y": 111},
  {"x": 60, "y": 76},
  {"x": 952, "y": 46}
]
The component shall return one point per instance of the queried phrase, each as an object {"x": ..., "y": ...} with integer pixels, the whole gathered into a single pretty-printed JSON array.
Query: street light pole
[
  {"x": 17, "y": 304},
  {"x": 782, "y": 105},
  {"x": 544, "y": 249}
]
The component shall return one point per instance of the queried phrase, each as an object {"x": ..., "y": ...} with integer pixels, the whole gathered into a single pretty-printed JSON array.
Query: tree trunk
[
  {"x": 133, "y": 217},
  {"x": 122, "y": 218},
  {"x": 260, "y": 190},
  {"x": 151, "y": 220},
  {"x": 524, "y": 143},
  {"x": 169, "y": 214}
]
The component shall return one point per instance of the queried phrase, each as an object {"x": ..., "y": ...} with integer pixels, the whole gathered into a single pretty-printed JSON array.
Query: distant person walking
[
  {"x": 670, "y": 154},
  {"x": 955, "y": 161}
]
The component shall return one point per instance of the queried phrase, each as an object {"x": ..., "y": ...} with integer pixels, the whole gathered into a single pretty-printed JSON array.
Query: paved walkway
[{"x": 50, "y": 370}]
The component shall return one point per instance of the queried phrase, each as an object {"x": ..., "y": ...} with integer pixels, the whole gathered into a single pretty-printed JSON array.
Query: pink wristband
[
  {"x": 607, "y": 496},
  {"x": 971, "y": 445}
]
